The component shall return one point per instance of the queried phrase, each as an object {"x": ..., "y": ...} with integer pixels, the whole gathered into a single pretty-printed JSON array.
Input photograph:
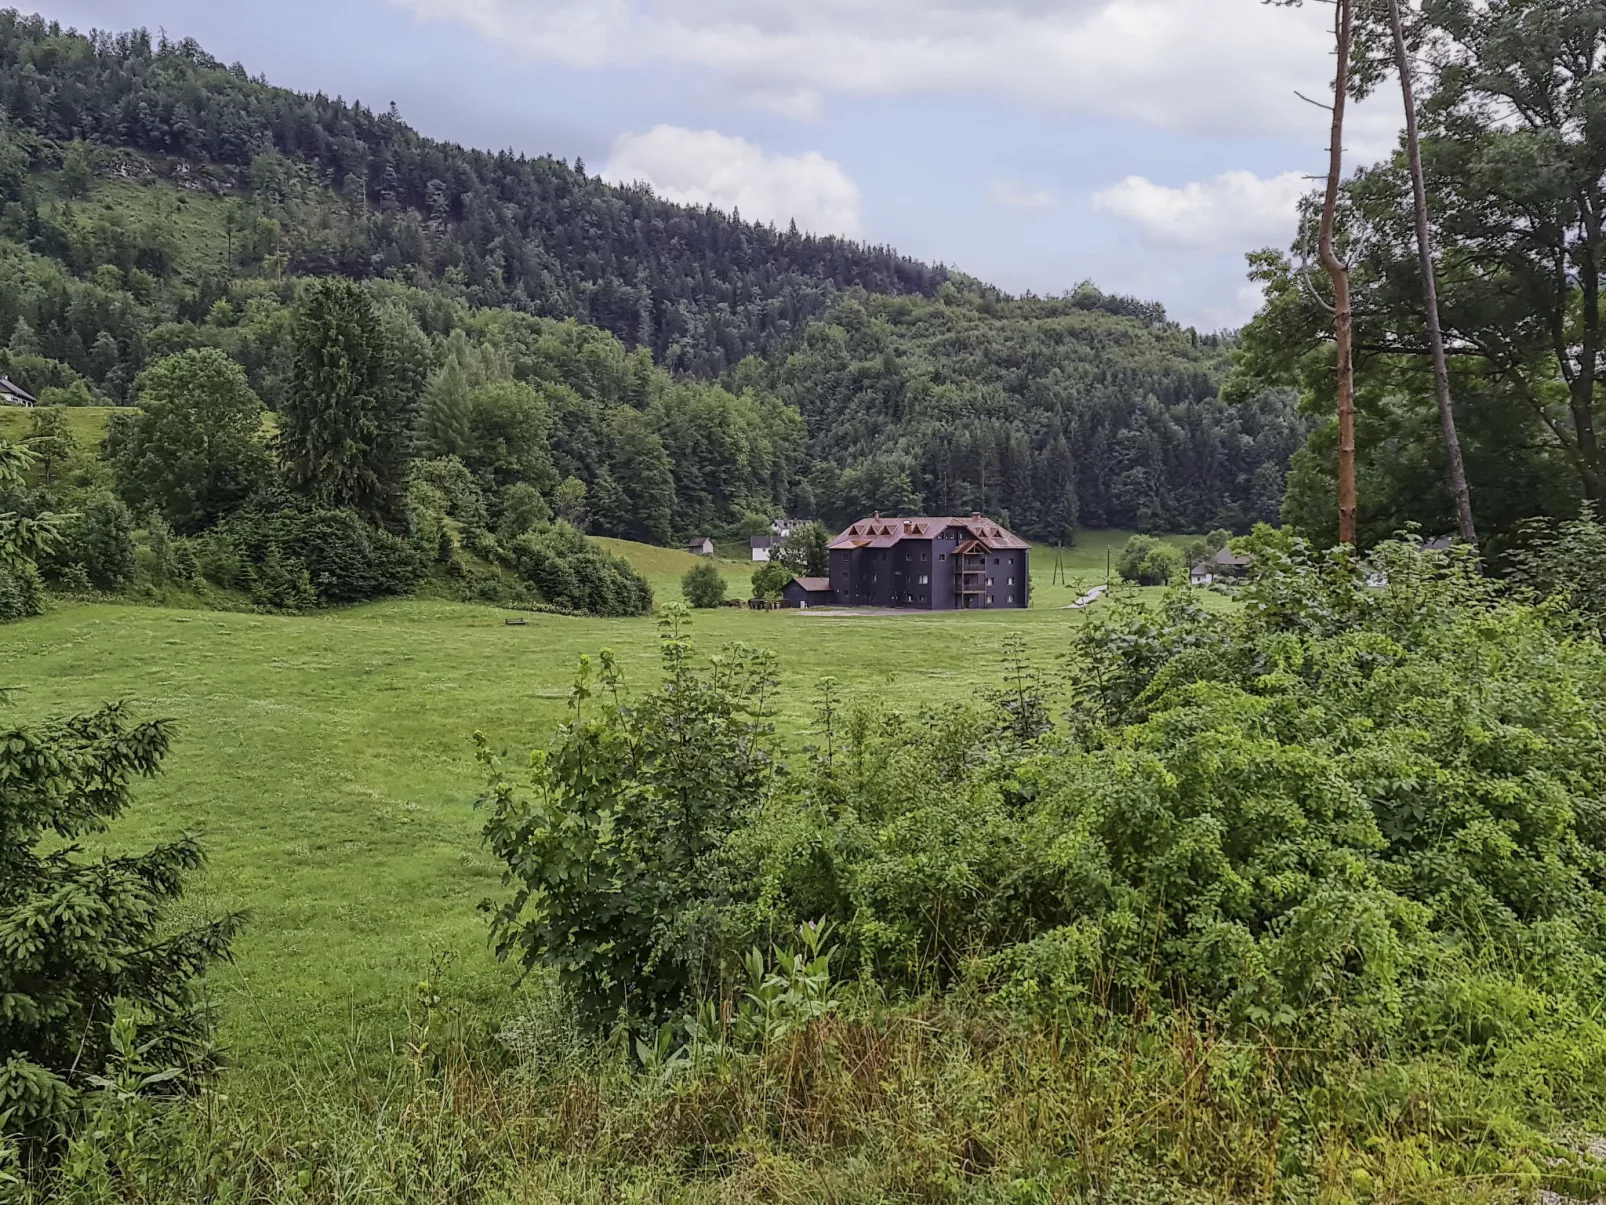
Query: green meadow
[{"x": 326, "y": 762}]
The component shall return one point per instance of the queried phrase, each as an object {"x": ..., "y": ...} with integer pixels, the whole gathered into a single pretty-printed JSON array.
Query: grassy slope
[
  {"x": 87, "y": 423},
  {"x": 326, "y": 762}
]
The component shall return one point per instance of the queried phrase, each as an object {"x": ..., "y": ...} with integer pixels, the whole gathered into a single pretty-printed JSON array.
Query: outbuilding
[
  {"x": 701, "y": 547},
  {"x": 809, "y": 592}
]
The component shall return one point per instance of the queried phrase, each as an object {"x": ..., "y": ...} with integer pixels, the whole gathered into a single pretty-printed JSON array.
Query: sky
[{"x": 1144, "y": 145}]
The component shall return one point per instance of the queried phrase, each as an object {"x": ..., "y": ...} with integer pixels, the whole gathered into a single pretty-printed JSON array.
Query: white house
[
  {"x": 702, "y": 546},
  {"x": 762, "y": 546}
]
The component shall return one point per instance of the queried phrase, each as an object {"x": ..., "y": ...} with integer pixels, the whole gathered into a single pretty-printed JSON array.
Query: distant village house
[
  {"x": 1225, "y": 564},
  {"x": 12, "y": 394},
  {"x": 762, "y": 547},
  {"x": 701, "y": 547}
]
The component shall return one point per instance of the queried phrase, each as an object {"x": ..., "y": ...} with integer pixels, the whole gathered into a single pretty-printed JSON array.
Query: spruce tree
[{"x": 345, "y": 430}]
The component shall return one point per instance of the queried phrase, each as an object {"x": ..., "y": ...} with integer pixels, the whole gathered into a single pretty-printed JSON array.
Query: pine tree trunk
[
  {"x": 1430, "y": 289},
  {"x": 1338, "y": 272}
]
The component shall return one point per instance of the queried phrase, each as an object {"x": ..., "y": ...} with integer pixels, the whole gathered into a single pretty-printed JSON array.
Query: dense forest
[
  {"x": 697, "y": 288},
  {"x": 1051, "y": 414}
]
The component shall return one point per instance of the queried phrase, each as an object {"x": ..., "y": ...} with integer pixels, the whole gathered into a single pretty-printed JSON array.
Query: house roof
[
  {"x": 1227, "y": 557},
  {"x": 12, "y": 389},
  {"x": 876, "y": 532},
  {"x": 763, "y": 541},
  {"x": 814, "y": 585}
]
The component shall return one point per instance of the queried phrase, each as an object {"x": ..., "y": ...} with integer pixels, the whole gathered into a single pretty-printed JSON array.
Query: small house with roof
[
  {"x": 13, "y": 394},
  {"x": 762, "y": 547},
  {"x": 809, "y": 592},
  {"x": 932, "y": 563},
  {"x": 701, "y": 546},
  {"x": 1225, "y": 564}
]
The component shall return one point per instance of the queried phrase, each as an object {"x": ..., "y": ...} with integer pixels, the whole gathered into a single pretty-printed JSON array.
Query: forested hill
[
  {"x": 699, "y": 288},
  {"x": 1056, "y": 413},
  {"x": 153, "y": 201}
]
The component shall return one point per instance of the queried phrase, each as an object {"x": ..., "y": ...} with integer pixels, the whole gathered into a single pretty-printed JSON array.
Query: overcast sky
[{"x": 1142, "y": 144}]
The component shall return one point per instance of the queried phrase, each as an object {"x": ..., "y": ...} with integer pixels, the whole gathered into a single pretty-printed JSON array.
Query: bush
[
  {"x": 97, "y": 537},
  {"x": 573, "y": 573},
  {"x": 193, "y": 452},
  {"x": 340, "y": 558},
  {"x": 523, "y": 509},
  {"x": 1565, "y": 560},
  {"x": 616, "y": 850},
  {"x": 703, "y": 585},
  {"x": 88, "y": 941},
  {"x": 1147, "y": 561},
  {"x": 1368, "y": 815},
  {"x": 22, "y": 594},
  {"x": 770, "y": 580}
]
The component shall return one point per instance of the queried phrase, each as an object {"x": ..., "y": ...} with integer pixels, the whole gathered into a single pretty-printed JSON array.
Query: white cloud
[
  {"x": 705, "y": 167},
  {"x": 1014, "y": 194},
  {"x": 1235, "y": 211},
  {"x": 1221, "y": 65}
]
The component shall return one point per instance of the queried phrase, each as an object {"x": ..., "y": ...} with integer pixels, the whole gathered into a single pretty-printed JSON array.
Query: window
[
  {"x": 1010, "y": 582},
  {"x": 925, "y": 556},
  {"x": 989, "y": 581},
  {"x": 1009, "y": 598},
  {"x": 925, "y": 579},
  {"x": 908, "y": 556},
  {"x": 995, "y": 560},
  {"x": 942, "y": 556},
  {"x": 989, "y": 600}
]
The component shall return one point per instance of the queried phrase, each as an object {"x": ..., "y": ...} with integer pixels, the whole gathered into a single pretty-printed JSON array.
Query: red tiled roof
[{"x": 884, "y": 533}]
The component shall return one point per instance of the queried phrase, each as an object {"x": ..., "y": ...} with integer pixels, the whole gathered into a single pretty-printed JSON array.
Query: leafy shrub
[
  {"x": 193, "y": 452},
  {"x": 572, "y": 572},
  {"x": 85, "y": 940},
  {"x": 1147, "y": 561},
  {"x": 523, "y": 509},
  {"x": 343, "y": 559},
  {"x": 703, "y": 585},
  {"x": 1566, "y": 560},
  {"x": 97, "y": 537},
  {"x": 615, "y": 848},
  {"x": 22, "y": 593},
  {"x": 23, "y": 539},
  {"x": 768, "y": 580},
  {"x": 1369, "y": 812}
]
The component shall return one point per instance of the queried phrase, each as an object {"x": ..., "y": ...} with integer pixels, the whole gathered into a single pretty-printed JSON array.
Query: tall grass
[{"x": 931, "y": 1101}]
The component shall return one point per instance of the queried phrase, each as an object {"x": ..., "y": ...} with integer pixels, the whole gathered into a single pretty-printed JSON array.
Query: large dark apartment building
[{"x": 929, "y": 563}]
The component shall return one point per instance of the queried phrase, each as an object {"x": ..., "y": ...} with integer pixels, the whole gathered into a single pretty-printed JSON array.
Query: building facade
[{"x": 930, "y": 563}]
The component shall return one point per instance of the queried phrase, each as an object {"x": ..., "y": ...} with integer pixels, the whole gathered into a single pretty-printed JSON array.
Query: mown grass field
[{"x": 326, "y": 762}]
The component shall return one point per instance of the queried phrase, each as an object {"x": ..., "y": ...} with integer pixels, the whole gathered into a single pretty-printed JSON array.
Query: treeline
[
  {"x": 392, "y": 457},
  {"x": 699, "y": 289},
  {"x": 153, "y": 202},
  {"x": 1512, "y": 153},
  {"x": 1085, "y": 410}
]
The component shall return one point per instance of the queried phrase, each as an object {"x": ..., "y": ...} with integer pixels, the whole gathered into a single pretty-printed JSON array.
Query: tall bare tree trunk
[
  {"x": 1338, "y": 272},
  {"x": 1430, "y": 288}
]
